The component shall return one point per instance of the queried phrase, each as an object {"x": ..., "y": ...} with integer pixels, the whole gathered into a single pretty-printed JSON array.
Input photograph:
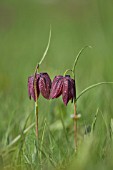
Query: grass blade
[{"x": 91, "y": 87}]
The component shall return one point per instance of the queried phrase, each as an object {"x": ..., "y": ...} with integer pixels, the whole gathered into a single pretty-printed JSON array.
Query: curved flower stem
[
  {"x": 78, "y": 55},
  {"x": 91, "y": 87},
  {"x": 75, "y": 112},
  {"x": 47, "y": 47},
  {"x": 37, "y": 69},
  {"x": 68, "y": 71}
]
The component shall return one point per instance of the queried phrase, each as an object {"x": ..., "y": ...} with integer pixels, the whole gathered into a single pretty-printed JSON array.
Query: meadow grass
[{"x": 24, "y": 28}]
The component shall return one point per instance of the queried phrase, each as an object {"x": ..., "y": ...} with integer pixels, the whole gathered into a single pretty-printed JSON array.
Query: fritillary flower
[
  {"x": 43, "y": 85},
  {"x": 64, "y": 86}
]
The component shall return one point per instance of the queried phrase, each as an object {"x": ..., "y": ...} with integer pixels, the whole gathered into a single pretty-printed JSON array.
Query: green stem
[
  {"x": 47, "y": 47},
  {"x": 75, "y": 112},
  {"x": 75, "y": 119},
  {"x": 36, "y": 70},
  {"x": 68, "y": 71},
  {"x": 36, "y": 114},
  {"x": 36, "y": 104},
  {"x": 91, "y": 87},
  {"x": 75, "y": 126},
  {"x": 78, "y": 55},
  {"x": 35, "y": 88},
  {"x": 42, "y": 140}
]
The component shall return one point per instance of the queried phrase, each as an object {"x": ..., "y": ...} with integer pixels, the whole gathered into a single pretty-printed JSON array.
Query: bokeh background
[{"x": 24, "y": 30}]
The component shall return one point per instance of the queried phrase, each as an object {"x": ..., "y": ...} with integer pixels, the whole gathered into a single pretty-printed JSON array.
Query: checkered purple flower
[
  {"x": 64, "y": 86},
  {"x": 43, "y": 85}
]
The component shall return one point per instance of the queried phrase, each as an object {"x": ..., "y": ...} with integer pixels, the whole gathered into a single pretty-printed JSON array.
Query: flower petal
[
  {"x": 66, "y": 95},
  {"x": 73, "y": 89},
  {"x": 45, "y": 85},
  {"x": 68, "y": 92},
  {"x": 57, "y": 85},
  {"x": 37, "y": 85},
  {"x": 31, "y": 90}
]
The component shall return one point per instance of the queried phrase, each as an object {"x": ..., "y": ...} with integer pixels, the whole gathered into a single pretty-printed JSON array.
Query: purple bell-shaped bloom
[
  {"x": 43, "y": 85},
  {"x": 64, "y": 86}
]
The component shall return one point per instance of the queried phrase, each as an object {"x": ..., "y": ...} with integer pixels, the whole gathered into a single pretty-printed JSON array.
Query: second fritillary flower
[{"x": 64, "y": 86}]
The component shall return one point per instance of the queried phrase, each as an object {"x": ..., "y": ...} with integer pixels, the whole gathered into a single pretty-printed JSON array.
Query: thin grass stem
[
  {"x": 78, "y": 55},
  {"x": 91, "y": 87},
  {"x": 19, "y": 136}
]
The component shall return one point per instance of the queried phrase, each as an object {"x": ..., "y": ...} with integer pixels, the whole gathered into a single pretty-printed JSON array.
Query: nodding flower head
[
  {"x": 64, "y": 86},
  {"x": 40, "y": 83}
]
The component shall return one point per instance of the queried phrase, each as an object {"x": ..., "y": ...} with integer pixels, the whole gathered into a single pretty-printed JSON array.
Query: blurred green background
[{"x": 24, "y": 30}]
